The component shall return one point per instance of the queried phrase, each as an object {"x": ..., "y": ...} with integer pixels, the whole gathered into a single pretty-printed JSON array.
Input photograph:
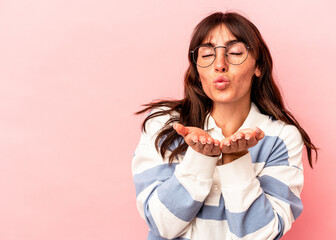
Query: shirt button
[{"x": 216, "y": 187}]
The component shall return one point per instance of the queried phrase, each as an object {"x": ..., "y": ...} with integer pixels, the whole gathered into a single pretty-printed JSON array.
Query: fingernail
[
  {"x": 216, "y": 144},
  {"x": 257, "y": 130},
  {"x": 247, "y": 138},
  {"x": 208, "y": 142},
  {"x": 238, "y": 137},
  {"x": 195, "y": 141}
]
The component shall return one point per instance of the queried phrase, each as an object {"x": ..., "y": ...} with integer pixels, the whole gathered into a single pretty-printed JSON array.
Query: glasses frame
[{"x": 214, "y": 48}]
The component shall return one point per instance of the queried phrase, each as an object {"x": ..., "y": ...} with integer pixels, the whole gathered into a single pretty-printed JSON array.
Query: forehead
[{"x": 219, "y": 35}]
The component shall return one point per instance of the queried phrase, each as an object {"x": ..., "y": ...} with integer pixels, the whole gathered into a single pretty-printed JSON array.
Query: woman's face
[{"x": 223, "y": 82}]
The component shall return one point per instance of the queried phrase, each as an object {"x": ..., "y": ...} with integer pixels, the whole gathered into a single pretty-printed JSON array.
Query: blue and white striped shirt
[{"x": 254, "y": 197}]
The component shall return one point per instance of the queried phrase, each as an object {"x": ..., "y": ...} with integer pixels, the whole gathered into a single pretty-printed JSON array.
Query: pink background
[{"x": 72, "y": 72}]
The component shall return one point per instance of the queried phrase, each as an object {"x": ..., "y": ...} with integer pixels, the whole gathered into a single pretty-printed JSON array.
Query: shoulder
[
  {"x": 279, "y": 131},
  {"x": 282, "y": 130},
  {"x": 273, "y": 127},
  {"x": 281, "y": 146}
]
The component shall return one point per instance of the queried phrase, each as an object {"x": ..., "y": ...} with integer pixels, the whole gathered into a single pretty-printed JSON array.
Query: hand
[
  {"x": 199, "y": 140},
  {"x": 238, "y": 143}
]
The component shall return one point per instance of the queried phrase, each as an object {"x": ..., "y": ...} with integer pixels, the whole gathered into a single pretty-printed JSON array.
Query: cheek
[
  {"x": 205, "y": 86},
  {"x": 244, "y": 76},
  {"x": 204, "y": 77},
  {"x": 203, "y": 73}
]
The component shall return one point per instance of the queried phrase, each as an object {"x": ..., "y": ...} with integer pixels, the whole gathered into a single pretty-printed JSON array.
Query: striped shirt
[{"x": 254, "y": 197}]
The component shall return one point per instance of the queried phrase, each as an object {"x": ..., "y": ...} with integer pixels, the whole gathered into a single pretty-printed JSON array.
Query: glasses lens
[
  {"x": 236, "y": 53},
  {"x": 205, "y": 55}
]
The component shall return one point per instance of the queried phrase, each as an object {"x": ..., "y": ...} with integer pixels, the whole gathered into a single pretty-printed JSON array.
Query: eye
[
  {"x": 208, "y": 55},
  {"x": 236, "y": 49},
  {"x": 235, "y": 53},
  {"x": 206, "y": 52}
]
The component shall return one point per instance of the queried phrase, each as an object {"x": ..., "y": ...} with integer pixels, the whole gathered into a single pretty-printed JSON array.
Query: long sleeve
[
  {"x": 254, "y": 197},
  {"x": 169, "y": 195},
  {"x": 262, "y": 189}
]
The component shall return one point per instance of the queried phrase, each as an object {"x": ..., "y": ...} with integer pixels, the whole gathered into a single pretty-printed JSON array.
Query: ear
[{"x": 257, "y": 71}]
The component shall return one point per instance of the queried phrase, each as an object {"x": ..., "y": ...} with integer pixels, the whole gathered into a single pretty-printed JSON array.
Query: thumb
[{"x": 181, "y": 130}]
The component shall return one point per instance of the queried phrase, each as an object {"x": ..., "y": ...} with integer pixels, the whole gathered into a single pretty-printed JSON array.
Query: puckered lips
[{"x": 221, "y": 82}]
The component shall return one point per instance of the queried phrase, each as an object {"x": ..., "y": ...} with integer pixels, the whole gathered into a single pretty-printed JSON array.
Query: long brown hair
[{"x": 195, "y": 105}]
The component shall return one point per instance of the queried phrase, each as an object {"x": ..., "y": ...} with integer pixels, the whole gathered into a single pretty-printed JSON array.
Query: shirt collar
[
  {"x": 209, "y": 123},
  {"x": 250, "y": 121}
]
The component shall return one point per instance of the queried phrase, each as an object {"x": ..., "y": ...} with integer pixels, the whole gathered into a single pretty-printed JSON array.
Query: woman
[{"x": 225, "y": 161}]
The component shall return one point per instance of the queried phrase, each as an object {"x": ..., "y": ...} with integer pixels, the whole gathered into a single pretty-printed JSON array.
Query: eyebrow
[{"x": 226, "y": 43}]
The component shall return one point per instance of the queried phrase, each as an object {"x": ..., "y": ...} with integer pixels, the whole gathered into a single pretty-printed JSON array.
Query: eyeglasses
[{"x": 235, "y": 53}]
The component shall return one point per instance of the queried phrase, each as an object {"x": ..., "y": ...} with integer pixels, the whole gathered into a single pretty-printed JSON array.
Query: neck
[{"x": 230, "y": 116}]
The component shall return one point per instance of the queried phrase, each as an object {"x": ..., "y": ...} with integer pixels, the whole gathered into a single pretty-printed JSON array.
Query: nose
[{"x": 221, "y": 64}]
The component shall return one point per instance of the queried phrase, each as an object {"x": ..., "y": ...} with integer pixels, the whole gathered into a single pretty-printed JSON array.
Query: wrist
[{"x": 230, "y": 157}]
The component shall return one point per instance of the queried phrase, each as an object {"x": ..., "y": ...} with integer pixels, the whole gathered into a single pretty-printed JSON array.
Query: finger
[
  {"x": 191, "y": 140},
  {"x": 208, "y": 148},
  {"x": 259, "y": 133},
  {"x": 180, "y": 129},
  {"x": 239, "y": 135},
  {"x": 241, "y": 143},
  {"x": 199, "y": 147},
  {"x": 210, "y": 140},
  {"x": 203, "y": 139},
  {"x": 225, "y": 142},
  {"x": 250, "y": 139},
  {"x": 226, "y": 148},
  {"x": 233, "y": 143},
  {"x": 216, "y": 150},
  {"x": 248, "y": 136},
  {"x": 216, "y": 143}
]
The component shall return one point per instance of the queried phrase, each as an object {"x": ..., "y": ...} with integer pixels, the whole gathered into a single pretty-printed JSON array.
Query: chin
[{"x": 223, "y": 99}]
